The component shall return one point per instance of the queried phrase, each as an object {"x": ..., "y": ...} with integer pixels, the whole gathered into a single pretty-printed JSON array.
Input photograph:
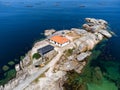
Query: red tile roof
[{"x": 59, "y": 39}]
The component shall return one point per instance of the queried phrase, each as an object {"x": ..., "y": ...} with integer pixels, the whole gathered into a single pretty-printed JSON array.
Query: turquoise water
[
  {"x": 106, "y": 85},
  {"x": 100, "y": 73},
  {"x": 110, "y": 69},
  {"x": 21, "y": 23}
]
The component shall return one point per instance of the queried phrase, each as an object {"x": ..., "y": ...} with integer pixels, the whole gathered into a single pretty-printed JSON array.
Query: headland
[{"x": 45, "y": 67}]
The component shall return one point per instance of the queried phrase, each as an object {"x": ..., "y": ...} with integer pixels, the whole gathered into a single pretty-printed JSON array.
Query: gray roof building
[{"x": 45, "y": 49}]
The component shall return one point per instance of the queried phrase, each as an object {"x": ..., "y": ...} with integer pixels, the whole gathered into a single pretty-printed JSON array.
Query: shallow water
[
  {"x": 106, "y": 85},
  {"x": 100, "y": 73}
]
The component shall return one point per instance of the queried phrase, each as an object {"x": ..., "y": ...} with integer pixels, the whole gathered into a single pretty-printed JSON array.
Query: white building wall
[
  {"x": 65, "y": 44},
  {"x": 59, "y": 44}
]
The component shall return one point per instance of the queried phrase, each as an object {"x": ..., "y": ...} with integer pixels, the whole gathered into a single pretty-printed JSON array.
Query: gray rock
[
  {"x": 95, "y": 25},
  {"x": 53, "y": 82},
  {"x": 17, "y": 67},
  {"x": 83, "y": 55},
  {"x": 103, "y": 22},
  {"x": 91, "y": 20},
  {"x": 1, "y": 87},
  {"x": 105, "y": 33},
  {"x": 71, "y": 57},
  {"x": 49, "y": 32},
  {"x": 79, "y": 31}
]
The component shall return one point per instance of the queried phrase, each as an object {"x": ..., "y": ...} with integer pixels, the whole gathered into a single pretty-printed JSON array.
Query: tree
[{"x": 36, "y": 56}]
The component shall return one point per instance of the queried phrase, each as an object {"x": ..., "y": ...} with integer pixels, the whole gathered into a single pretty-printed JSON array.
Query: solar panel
[{"x": 45, "y": 49}]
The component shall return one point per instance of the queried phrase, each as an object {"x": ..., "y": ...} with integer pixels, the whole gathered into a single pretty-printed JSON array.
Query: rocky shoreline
[{"x": 70, "y": 57}]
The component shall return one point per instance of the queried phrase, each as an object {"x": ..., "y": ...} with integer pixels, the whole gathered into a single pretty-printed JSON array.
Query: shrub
[
  {"x": 36, "y": 56},
  {"x": 69, "y": 52}
]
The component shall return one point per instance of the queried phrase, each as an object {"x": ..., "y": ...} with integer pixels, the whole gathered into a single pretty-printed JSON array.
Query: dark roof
[{"x": 45, "y": 49}]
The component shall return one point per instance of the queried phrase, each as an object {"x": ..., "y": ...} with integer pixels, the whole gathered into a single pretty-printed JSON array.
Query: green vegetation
[
  {"x": 8, "y": 76},
  {"x": 75, "y": 82},
  {"x": 22, "y": 57},
  {"x": 36, "y": 56},
  {"x": 94, "y": 76},
  {"x": 11, "y": 63},
  {"x": 69, "y": 52},
  {"x": 5, "y": 68},
  {"x": 79, "y": 81}
]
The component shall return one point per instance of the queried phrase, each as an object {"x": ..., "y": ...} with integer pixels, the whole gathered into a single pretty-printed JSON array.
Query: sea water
[{"x": 23, "y": 21}]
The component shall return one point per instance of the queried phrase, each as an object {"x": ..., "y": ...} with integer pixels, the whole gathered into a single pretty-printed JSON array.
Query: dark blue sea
[{"x": 23, "y": 21}]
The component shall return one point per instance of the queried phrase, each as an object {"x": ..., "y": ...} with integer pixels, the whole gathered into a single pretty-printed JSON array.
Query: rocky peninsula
[{"x": 45, "y": 67}]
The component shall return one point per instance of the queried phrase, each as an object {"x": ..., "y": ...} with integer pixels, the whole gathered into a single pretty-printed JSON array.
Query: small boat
[{"x": 29, "y": 6}]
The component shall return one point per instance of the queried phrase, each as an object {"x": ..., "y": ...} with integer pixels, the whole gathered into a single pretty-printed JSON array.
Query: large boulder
[
  {"x": 82, "y": 47},
  {"x": 17, "y": 67},
  {"x": 91, "y": 20},
  {"x": 96, "y": 21},
  {"x": 49, "y": 32},
  {"x": 99, "y": 36},
  {"x": 103, "y": 22},
  {"x": 105, "y": 33},
  {"x": 94, "y": 25},
  {"x": 83, "y": 55},
  {"x": 52, "y": 81},
  {"x": 1, "y": 87},
  {"x": 87, "y": 42}
]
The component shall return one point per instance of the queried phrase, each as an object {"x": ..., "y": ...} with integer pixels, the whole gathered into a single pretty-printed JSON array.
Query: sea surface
[{"x": 23, "y": 21}]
